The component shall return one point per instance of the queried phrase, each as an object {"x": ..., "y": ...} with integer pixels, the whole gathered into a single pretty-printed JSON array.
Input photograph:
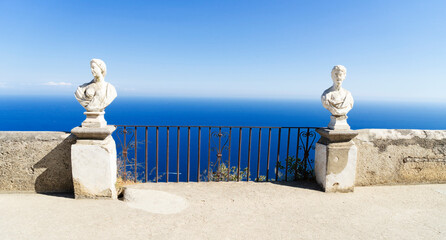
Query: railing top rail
[{"x": 193, "y": 126}]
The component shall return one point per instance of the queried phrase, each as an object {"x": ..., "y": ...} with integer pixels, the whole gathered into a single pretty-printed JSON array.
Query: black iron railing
[{"x": 214, "y": 153}]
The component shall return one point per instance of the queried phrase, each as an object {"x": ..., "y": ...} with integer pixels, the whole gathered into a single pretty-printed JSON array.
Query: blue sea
[
  {"x": 65, "y": 113},
  {"x": 20, "y": 113}
]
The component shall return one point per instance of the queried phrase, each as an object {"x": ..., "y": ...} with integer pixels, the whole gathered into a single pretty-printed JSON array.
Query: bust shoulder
[
  {"x": 326, "y": 92},
  {"x": 341, "y": 92}
]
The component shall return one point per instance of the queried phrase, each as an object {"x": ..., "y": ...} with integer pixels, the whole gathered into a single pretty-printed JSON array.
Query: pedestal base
[
  {"x": 338, "y": 123},
  {"x": 94, "y": 120},
  {"x": 93, "y": 164},
  {"x": 335, "y": 162},
  {"x": 93, "y": 133}
]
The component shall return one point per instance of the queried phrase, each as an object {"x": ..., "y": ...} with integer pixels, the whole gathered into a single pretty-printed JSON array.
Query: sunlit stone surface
[
  {"x": 338, "y": 100},
  {"x": 335, "y": 160},
  {"x": 96, "y": 95},
  {"x": 93, "y": 165}
]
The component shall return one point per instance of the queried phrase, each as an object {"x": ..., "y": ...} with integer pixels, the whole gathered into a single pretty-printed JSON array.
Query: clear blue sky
[{"x": 393, "y": 50}]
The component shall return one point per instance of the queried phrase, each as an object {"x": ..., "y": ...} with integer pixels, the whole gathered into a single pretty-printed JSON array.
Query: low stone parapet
[
  {"x": 35, "y": 161},
  {"x": 41, "y": 161},
  {"x": 388, "y": 156}
]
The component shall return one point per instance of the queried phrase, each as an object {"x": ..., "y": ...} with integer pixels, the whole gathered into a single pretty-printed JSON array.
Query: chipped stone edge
[
  {"x": 83, "y": 193},
  {"x": 369, "y": 135}
]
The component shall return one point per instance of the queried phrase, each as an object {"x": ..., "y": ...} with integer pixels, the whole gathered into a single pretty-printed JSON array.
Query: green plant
[
  {"x": 262, "y": 178},
  {"x": 297, "y": 169},
  {"x": 220, "y": 172}
]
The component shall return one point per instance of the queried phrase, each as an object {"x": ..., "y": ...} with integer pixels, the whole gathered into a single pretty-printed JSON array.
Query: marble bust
[
  {"x": 96, "y": 95},
  {"x": 338, "y": 100}
]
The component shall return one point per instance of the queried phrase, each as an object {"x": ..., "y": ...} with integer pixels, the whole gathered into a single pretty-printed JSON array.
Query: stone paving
[{"x": 232, "y": 211}]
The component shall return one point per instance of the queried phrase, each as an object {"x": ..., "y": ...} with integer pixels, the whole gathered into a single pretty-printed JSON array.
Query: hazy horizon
[{"x": 257, "y": 98}]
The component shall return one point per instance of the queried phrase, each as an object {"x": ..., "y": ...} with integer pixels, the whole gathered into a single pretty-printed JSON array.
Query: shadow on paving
[
  {"x": 61, "y": 195},
  {"x": 305, "y": 184}
]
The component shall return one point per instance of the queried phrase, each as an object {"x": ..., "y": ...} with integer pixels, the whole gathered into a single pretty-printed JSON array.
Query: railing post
[
  {"x": 135, "y": 170},
  {"x": 199, "y": 154},
  {"x": 278, "y": 154},
  {"x": 146, "y": 155},
  {"x": 167, "y": 155}
]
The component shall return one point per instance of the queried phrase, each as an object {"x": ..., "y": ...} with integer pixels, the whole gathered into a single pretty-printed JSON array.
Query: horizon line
[{"x": 272, "y": 98}]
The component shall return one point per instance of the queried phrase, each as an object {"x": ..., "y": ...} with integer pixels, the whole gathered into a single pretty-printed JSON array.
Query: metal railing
[{"x": 214, "y": 153}]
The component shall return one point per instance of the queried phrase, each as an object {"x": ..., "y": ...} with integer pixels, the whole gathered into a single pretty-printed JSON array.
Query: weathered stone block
[
  {"x": 397, "y": 156},
  {"x": 335, "y": 166},
  {"x": 94, "y": 168},
  {"x": 35, "y": 162},
  {"x": 335, "y": 162}
]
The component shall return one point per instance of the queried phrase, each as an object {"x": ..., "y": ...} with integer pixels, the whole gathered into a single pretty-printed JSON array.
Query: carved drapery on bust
[
  {"x": 338, "y": 100},
  {"x": 96, "y": 95}
]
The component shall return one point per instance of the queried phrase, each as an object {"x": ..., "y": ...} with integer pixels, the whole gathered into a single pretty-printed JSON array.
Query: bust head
[
  {"x": 338, "y": 74},
  {"x": 98, "y": 68}
]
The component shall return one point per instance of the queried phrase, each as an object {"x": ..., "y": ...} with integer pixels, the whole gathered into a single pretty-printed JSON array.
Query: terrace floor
[{"x": 231, "y": 211}]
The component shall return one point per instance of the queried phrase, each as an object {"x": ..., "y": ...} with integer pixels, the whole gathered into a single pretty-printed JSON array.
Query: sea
[{"x": 37, "y": 113}]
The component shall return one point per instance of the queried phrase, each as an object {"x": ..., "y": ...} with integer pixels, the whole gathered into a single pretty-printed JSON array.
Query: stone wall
[
  {"x": 41, "y": 161},
  {"x": 36, "y": 161},
  {"x": 388, "y": 156}
]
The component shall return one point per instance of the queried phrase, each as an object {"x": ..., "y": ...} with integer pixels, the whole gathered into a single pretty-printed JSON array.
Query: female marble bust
[
  {"x": 338, "y": 100},
  {"x": 96, "y": 95}
]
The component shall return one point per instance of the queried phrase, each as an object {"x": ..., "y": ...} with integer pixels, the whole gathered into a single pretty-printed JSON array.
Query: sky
[{"x": 393, "y": 50}]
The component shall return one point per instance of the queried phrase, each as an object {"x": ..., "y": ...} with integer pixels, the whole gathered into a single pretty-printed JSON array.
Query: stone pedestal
[
  {"x": 93, "y": 162},
  {"x": 338, "y": 123},
  {"x": 335, "y": 163}
]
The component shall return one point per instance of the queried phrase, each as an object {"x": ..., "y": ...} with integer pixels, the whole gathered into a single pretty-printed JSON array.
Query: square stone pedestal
[
  {"x": 93, "y": 162},
  {"x": 335, "y": 162}
]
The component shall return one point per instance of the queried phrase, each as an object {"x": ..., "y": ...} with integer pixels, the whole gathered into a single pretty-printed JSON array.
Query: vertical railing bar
[
  {"x": 167, "y": 155},
  {"x": 287, "y": 155},
  {"x": 306, "y": 151},
  {"x": 178, "y": 154},
  {"x": 188, "y": 153},
  {"x": 219, "y": 154},
  {"x": 229, "y": 155},
  {"x": 124, "y": 153},
  {"x": 278, "y": 155},
  {"x": 249, "y": 154},
  {"x": 269, "y": 152},
  {"x": 258, "y": 154},
  {"x": 157, "y": 153},
  {"x": 209, "y": 156},
  {"x": 199, "y": 154},
  {"x": 239, "y": 153},
  {"x": 297, "y": 154},
  {"x": 147, "y": 156},
  {"x": 300, "y": 144},
  {"x": 135, "y": 170}
]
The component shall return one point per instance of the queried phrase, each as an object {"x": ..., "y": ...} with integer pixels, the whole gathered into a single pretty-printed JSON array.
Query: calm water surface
[{"x": 62, "y": 114}]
